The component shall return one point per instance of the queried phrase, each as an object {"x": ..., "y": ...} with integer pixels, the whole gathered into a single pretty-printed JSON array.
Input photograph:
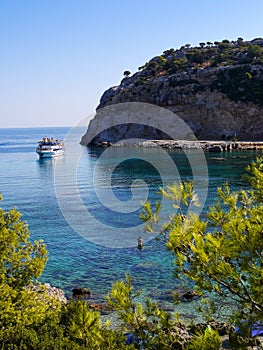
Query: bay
[{"x": 85, "y": 251}]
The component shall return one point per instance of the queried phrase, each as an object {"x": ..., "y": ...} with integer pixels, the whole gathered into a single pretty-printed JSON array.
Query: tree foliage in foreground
[
  {"x": 151, "y": 327},
  {"x": 21, "y": 264},
  {"x": 20, "y": 260},
  {"x": 224, "y": 253},
  {"x": 30, "y": 318}
]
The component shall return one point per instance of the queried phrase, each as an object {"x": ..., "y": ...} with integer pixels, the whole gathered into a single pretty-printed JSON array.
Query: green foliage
[
  {"x": 47, "y": 336},
  {"x": 224, "y": 45},
  {"x": 25, "y": 307},
  {"x": 255, "y": 178},
  {"x": 177, "y": 64},
  {"x": 209, "y": 340},
  {"x": 83, "y": 324},
  {"x": 254, "y": 51},
  {"x": 195, "y": 56},
  {"x": 240, "y": 84},
  {"x": 73, "y": 327},
  {"x": 20, "y": 260},
  {"x": 21, "y": 263},
  {"x": 162, "y": 61},
  {"x": 224, "y": 253},
  {"x": 152, "y": 327},
  {"x": 84, "y": 327}
]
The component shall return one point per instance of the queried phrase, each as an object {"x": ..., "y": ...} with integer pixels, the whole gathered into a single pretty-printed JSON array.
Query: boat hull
[{"x": 50, "y": 154}]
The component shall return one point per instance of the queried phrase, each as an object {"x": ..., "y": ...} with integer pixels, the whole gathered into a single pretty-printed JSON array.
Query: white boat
[{"x": 49, "y": 148}]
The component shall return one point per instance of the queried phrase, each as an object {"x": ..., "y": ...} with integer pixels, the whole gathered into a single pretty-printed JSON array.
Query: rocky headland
[{"x": 215, "y": 88}]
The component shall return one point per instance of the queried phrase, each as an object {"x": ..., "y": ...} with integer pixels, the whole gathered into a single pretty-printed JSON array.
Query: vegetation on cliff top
[{"x": 208, "y": 55}]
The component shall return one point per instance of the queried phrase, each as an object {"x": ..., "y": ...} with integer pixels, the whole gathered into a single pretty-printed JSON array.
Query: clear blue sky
[{"x": 59, "y": 56}]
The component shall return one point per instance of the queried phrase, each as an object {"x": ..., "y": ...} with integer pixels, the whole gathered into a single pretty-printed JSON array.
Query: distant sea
[{"x": 28, "y": 184}]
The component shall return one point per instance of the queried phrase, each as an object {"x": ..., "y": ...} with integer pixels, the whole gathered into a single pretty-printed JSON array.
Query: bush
[{"x": 209, "y": 340}]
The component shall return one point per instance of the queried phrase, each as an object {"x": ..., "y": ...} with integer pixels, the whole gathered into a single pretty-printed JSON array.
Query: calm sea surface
[{"x": 28, "y": 183}]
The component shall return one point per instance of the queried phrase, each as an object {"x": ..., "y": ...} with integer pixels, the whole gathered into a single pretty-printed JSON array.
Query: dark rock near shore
[
  {"x": 80, "y": 292},
  {"x": 238, "y": 341},
  {"x": 221, "y": 327},
  {"x": 102, "y": 308},
  {"x": 215, "y": 148},
  {"x": 188, "y": 296},
  {"x": 180, "y": 296}
]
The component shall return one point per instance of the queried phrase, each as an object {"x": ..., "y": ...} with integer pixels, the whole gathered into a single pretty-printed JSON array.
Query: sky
[{"x": 59, "y": 56}]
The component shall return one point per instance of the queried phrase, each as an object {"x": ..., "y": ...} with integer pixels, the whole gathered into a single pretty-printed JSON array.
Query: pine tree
[{"x": 224, "y": 253}]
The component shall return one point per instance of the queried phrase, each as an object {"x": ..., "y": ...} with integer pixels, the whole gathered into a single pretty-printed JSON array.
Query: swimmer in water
[{"x": 140, "y": 243}]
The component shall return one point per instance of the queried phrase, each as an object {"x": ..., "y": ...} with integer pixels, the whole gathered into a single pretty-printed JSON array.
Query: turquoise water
[{"x": 28, "y": 183}]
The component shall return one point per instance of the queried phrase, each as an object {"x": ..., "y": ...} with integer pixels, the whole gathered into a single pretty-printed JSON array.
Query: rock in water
[{"x": 80, "y": 292}]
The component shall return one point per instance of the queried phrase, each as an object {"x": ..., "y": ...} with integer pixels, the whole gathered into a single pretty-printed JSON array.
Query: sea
[{"x": 86, "y": 204}]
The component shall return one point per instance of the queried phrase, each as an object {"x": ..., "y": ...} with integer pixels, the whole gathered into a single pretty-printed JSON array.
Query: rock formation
[{"x": 217, "y": 90}]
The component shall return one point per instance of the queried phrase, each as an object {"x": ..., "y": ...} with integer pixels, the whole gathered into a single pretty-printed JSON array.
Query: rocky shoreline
[
  {"x": 229, "y": 337},
  {"x": 206, "y": 146}
]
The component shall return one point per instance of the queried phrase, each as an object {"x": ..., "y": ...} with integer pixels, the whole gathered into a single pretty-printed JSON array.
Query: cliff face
[{"x": 217, "y": 101}]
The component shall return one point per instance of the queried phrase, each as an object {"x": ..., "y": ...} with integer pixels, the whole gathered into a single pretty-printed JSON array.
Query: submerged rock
[{"x": 80, "y": 292}]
